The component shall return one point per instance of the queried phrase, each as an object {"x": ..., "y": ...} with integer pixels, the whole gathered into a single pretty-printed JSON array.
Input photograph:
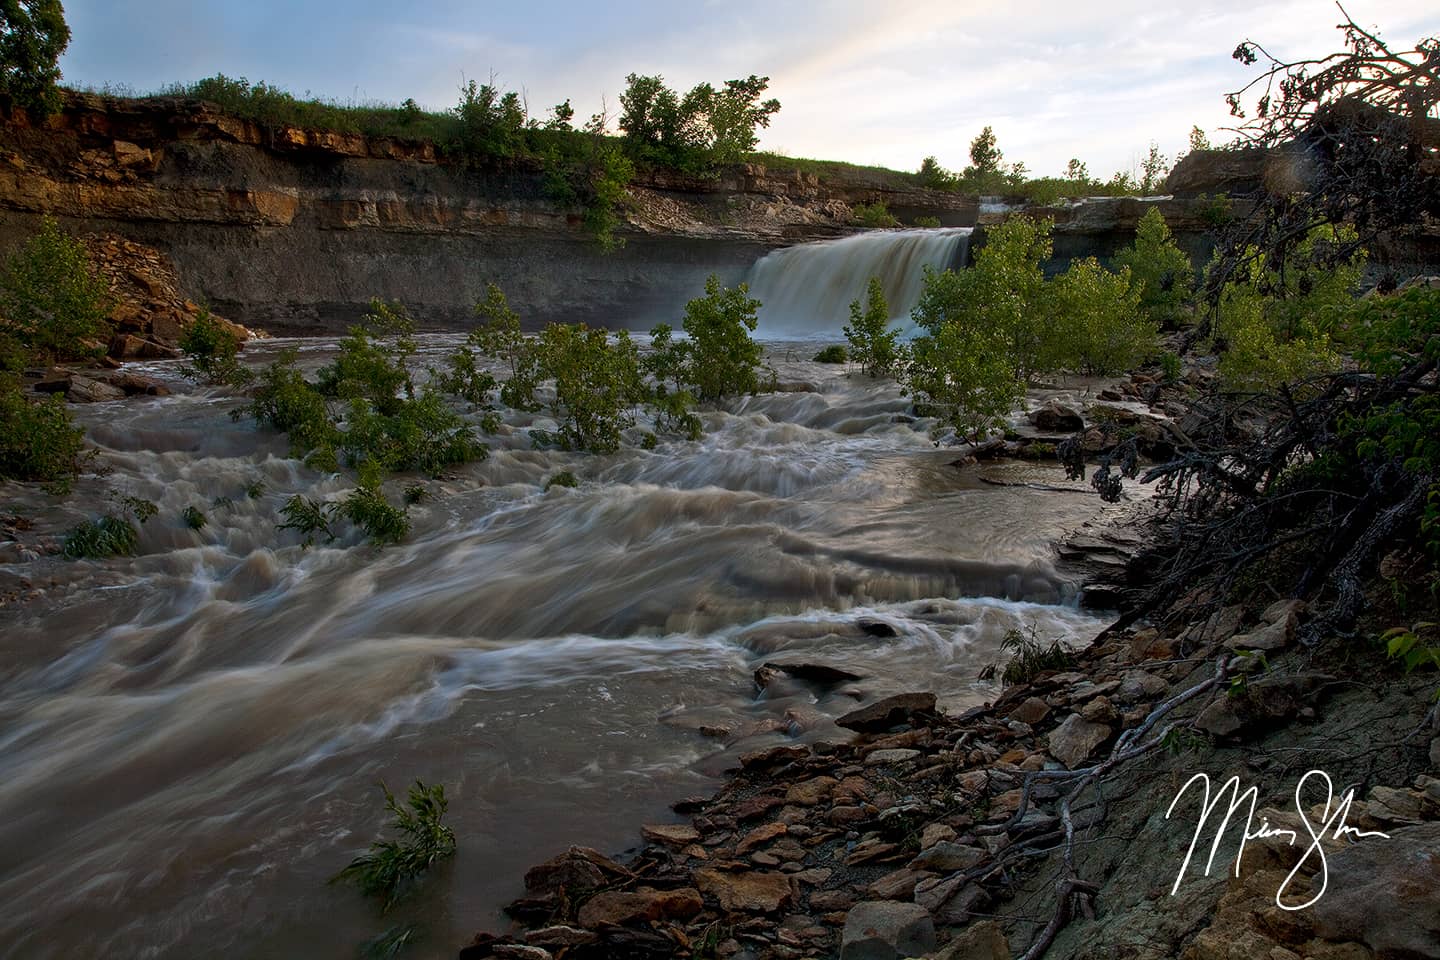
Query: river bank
[{"x": 1039, "y": 823}]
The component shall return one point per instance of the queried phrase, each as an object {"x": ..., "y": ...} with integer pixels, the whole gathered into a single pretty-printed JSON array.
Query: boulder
[
  {"x": 1390, "y": 900},
  {"x": 631, "y": 906},
  {"x": 85, "y": 390},
  {"x": 978, "y": 941},
  {"x": 1073, "y": 742},
  {"x": 890, "y": 712},
  {"x": 1056, "y": 417},
  {"x": 1032, "y": 710},
  {"x": 886, "y": 930},
  {"x": 576, "y": 871}
]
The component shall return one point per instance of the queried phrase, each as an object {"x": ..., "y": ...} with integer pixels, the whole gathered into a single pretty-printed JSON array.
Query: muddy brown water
[{"x": 190, "y": 739}]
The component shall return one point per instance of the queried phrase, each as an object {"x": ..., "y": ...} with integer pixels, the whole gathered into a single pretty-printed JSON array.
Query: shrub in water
[
  {"x": 872, "y": 343},
  {"x": 38, "y": 441},
  {"x": 834, "y": 353},
  {"x": 390, "y": 869}
]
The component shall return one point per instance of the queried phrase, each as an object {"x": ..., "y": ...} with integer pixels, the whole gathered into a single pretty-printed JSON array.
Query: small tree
[
  {"x": 1076, "y": 171},
  {"x": 1159, "y": 269},
  {"x": 1152, "y": 170},
  {"x": 1097, "y": 323},
  {"x": 52, "y": 300},
  {"x": 721, "y": 358},
  {"x": 872, "y": 343},
  {"x": 33, "y": 34}
]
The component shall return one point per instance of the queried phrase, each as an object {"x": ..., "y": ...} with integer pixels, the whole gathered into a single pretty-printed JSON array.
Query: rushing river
[{"x": 190, "y": 739}]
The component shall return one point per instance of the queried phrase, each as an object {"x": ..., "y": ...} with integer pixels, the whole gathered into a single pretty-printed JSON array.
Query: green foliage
[
  {"x": 927, "y": 222},
  {"x": 597, "y": 381},
  {"x": 109, "y": 535},
  {"x": 391, "y": 943},
  {"x": 52, "y": 300},
  {"x": 936, "y": 177},
  {"x": 874, "y": 215},
  {"x": 562, "y": 479},
  {"x": 492, "y": 122},
  {"x": 721, "y": 358},
  {"x": 1153, "y": 170},
  {"x": 1030, "y": 656},
  {"x": 373, "y": 361},
  {"x": 193, "y": 518},
  {"x": 499, "y": 336},
  {"x": 1003, "y": 292},
  {"x": 1415, "y": 646},
  {"x": 284, "y": 400},
  {"x": 960, "y": 372},
  {"x": 310, "y": 518},
  {"x": 1215, "y": 212},
  {"x": 704, "y": 129},
  {"x": 414, "y": 493},
  {"x": 33, "y": 34},
  {"x": 38, "y": 440},
  {"x": 367, "y": 508},
  {"x": 608, "y": 181},
  {"x": 211, "y": 350},
  {"x": 872, "y": 343},
  {"x": 1170, "y": 367},
  {"x": 835, "y": 353},
  {"x": 1198, "y": 140},
  {"x": 391, "y": 868},
  {"x": 1097, "y": 324},
  {"x": 1278, "y": 320},
  {"x": 1159, "y": 269}
]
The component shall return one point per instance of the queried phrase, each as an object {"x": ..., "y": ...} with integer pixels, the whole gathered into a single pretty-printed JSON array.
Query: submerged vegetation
[{"x": 391, "y": 869}]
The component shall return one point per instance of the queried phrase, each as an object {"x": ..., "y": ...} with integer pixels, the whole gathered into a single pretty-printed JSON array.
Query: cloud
[{"x": 859, "y": 81}]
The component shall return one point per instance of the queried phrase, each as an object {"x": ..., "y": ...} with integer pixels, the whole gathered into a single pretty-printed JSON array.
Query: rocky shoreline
[{"x": 1033, "y": 825}]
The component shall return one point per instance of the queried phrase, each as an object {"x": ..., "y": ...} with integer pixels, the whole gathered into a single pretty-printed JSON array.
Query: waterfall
[{"x": 806, "y": 290}]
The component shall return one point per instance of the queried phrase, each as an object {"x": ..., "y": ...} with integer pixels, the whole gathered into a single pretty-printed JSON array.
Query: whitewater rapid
[{"x": 190, "y": 739}]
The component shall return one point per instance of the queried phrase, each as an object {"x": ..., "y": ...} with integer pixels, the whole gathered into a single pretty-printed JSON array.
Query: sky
[{"x": 858, "y": 80}]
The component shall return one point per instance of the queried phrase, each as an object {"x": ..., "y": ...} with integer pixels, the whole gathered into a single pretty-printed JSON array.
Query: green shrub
[
  {"x": 1030, "y": 657},
  {"x": 498, "y": 336},
  {"x": 414, "y": 493},
  {"x": 1170, "y": 367},
  {"x": 874, "y": 215},
  {"x": 367, "y": 508},
  {"x": 109, "y": 535},
  {"x": 835, "y": 353},
  {"x": 721, "y": 358},
  {"x": 372, "y": 364},
  {"x": 959, "y": 373},
  {"x": 928, "y": 222},
  {"x": 391, "y": 868},
  {"x": 562, "y": 479},
  {"x": 872, "y": 343},
  {"x": 1278, "y": 321},
  {"x": 193, "y": 518},
  {"x": 284, "y": 400},
  {"x": 33, "y": 35},
  {"x": 1159, "y": 269},
  {"x": 53, "y": 302},
  {"x": 309, "y": 517},
  {"x": 1097, "y": 324},
  {"x": 598, "y": 383},
  {"x": 211, "y": 351},
  {"x": 38, "y": 439},
  {"x": 1003, "y": 293}
]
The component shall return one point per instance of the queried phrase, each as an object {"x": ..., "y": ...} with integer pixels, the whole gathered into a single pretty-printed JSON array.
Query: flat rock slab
[
  {"x": 1075, "y": 740},
  {"x": 890, "y": 712},
  {"x": 748, "y": 891},
  {"x": 670, "y": 834}
]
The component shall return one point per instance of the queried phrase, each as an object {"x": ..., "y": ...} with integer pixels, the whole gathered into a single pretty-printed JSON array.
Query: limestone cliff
[{"x": 295, "y": 230}]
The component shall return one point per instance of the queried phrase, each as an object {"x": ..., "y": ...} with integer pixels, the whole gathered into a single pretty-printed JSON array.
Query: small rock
[
  {"x": 619, "y": 907},
  {"x": 759, "y": 837},
  {"x": 560, "y": 936},
  {"x": 886, "y": 930},
  {"x": 1076, "y": 739},
  {"x": 749, "y": 891},
  {"x": 810, "y": 792},
  {"x": 890, "y": 712},
  {"x": 1137, "y": 685},
  {"x": 947, "y": 857},
  {"x": 1100, "y": 710},
  {"x": 898, "y": 885},
  {"x": 519, "y": 951},
  {"x": 755, "y": 807},
  {"x": 935, "y": 833},
  {"x": 877, "y": 757},
  {"x": 1031, "y": 711},
  {"x": 868, "y": 851},
  {"x": 670, "y": 834}
]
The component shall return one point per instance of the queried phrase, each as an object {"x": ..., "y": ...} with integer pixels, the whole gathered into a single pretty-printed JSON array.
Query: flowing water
[
  {"x": 190, "y": 739},
  {"x": 806, "y": 290}
]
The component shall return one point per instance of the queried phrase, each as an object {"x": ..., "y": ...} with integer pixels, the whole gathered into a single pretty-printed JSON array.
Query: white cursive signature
[{"x": 1332, "y": 826}]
